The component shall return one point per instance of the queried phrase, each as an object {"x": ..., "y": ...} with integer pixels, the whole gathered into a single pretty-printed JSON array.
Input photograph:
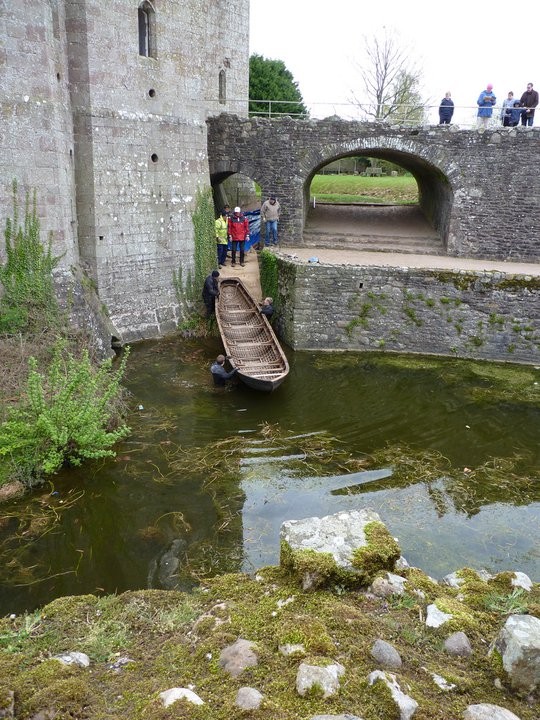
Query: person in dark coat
[
  {"x": 446, "y": 110},
  {"x": 210, "y": 292},
  {"x": 267, "y": 307},
  {"x": 529, "y": 101},
  {"x": 219, "y": 374}
]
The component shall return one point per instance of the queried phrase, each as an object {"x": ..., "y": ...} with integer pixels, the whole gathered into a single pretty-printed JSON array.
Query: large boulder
[
  {"x": 487, "y": 711},
  {"x": 347, "y": 548},
  {"x": 518, "y": 644}
]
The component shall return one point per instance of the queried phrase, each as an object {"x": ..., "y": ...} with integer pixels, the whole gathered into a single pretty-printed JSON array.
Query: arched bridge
[{"x": 479, "y": 189}]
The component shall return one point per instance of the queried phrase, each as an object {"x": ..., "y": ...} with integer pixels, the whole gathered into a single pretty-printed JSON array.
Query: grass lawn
[{"x": 401, "y": 190}]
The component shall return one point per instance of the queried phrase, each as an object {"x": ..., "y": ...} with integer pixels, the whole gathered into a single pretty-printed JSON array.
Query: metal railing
[{"x": 465, "y": 116}]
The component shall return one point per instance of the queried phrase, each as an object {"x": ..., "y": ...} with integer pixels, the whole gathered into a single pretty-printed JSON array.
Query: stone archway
[
  {"x": 473, "y": 185},
  {"x": 434, "y": 190},
  {"x": 422, "y": 228}
]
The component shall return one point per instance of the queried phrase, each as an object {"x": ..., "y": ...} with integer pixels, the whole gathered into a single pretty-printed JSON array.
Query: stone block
[{"x": 346, "y": 548}]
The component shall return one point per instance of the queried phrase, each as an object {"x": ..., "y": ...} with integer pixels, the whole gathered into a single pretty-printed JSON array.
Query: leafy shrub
[
  {"x": 28, "y": 292},
  {"x": 69, "y": 415}
]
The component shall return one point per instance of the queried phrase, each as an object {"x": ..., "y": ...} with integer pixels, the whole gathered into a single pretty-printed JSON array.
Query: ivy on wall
[
  {"x": 269, "y": 275},
  {"x": 188, "y": 288}
]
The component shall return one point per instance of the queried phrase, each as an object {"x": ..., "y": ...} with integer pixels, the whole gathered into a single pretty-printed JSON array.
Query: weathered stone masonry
[
  {"x": 479, "y": 188},
  {"x": 114, "y": 141},
  {"x": 485, "y": 315}
]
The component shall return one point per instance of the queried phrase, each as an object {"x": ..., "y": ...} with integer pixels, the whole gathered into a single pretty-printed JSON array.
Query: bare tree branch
[{"x": 391, "y": 80}]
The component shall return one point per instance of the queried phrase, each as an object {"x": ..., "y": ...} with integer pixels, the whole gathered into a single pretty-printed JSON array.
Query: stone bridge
[{"x": 479, "y": 189}]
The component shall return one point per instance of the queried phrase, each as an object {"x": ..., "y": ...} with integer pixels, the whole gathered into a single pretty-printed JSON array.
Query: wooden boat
[{"x": 250, "y": 343}]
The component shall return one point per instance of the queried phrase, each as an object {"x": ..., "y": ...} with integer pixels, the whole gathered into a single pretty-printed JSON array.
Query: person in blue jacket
[
  {"x": 515, "y": 114},
  {"x": 219, "y": 374},
  {"x": 486, "y": 101},
  {"x": 446, "y": 110}
]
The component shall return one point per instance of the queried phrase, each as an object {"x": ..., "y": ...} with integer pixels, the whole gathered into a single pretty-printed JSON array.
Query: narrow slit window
[
  {"x": 147, "y": 25},
  {"x": 222, "y": 87}
]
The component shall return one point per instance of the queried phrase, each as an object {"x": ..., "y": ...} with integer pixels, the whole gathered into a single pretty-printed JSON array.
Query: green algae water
[{"x": 447, "y": 453}]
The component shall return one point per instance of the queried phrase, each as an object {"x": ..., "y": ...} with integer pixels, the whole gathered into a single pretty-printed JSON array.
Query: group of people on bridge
[{"x": 513, "y": 111}]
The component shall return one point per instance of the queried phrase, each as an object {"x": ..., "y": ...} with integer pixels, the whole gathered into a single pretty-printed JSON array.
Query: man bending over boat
[
  {"x": 267, "y": 307},
  {"x": 210, "y": 292},
  {"x": 219, "y": 373}
]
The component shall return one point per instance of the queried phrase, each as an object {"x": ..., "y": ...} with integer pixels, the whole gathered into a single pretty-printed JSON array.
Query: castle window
[
  {"x": 222, "y": 87},
  {"x": 147, "y": 30}
]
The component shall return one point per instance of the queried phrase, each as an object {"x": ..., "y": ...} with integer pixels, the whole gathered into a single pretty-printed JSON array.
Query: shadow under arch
[
  {"x": 435, "y": 193},
  {"x": 233, "y": 188}
]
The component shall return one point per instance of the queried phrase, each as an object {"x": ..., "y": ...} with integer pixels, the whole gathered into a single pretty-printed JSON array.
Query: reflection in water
[{"x": 207, "y": 477}]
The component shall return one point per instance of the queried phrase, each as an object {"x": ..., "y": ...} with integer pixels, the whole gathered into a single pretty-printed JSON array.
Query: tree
[
  {"x": 271, "y": 82},
  {"x": 391, "y": 80}
]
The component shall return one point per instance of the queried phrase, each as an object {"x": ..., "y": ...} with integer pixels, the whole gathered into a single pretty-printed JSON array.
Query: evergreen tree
[{"x": 270, "y": 81}]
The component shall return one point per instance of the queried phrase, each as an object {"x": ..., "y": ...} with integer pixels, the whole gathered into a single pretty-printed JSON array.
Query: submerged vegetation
[{"x": 489, "y": 381}]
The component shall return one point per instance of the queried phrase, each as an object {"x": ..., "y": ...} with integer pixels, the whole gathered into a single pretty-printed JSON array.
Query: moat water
[{"x": 208, "y": 475}]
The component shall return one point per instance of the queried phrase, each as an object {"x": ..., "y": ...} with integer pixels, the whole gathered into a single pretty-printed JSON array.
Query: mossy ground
[{"x": 161, "y": 632}]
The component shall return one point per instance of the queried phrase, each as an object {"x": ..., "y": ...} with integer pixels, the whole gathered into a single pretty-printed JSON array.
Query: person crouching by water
[
  {"x": 219, "y": 374},
  {"x": 210, "y": 292},
  {"x": 267, "y": 307}
]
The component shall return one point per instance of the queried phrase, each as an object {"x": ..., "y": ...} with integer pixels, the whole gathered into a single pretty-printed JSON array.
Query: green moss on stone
[
  {"x": 307, "y": 631},
  {"x": 380, "y": 553}
]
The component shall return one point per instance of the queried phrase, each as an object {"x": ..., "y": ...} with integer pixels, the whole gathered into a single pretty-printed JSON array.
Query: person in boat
[
  {"x": 238, "y": 230},
  {"x": 219, "y": 374},
  {"x": 267, "y": 307},
  {"x": 211, "y": 292}
]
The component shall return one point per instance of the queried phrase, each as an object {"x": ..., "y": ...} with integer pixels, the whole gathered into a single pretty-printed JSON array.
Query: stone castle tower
[{"x": 104, "y": 108}]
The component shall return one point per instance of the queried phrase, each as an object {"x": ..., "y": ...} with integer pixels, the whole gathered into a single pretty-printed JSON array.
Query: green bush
[
  {"x": 69, "y": 415},
  {"x": 28, "y": 297}
]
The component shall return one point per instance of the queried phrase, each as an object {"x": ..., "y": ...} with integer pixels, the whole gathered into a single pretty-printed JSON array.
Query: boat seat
[
  {"x": 249, "y": 343},
  {"x": 247, "y": 366},
  {"x": 243, "y": 310}
]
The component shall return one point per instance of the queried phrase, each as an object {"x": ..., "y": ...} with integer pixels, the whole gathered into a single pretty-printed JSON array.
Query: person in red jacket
[{"x": 238, "y": 231}]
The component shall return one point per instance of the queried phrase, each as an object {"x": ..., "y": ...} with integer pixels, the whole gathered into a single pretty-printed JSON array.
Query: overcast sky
[{"x": 461, "y": 46}]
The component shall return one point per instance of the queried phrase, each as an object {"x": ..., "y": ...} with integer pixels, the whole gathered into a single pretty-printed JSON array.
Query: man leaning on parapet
[{"x": 528, "y": 101}]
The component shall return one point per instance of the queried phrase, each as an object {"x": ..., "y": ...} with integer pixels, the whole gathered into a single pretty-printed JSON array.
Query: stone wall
[
  {"x": 115, "y": 142},
  {"x": 477, "y": 188},
  {"x": 36, "y": 133},
  {"x": 485, "y": 315}
]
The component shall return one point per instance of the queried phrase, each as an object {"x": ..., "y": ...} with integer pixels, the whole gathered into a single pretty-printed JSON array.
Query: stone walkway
[
  {"x": 332, "y": 232},
  {"x": 409, "y": 260},
  {"x": 249, "y": 274}
]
